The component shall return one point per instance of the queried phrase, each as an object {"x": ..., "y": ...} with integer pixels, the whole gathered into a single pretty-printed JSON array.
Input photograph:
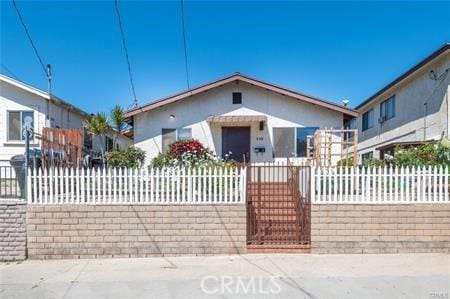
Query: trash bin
[{"x": 18, "y": 163}]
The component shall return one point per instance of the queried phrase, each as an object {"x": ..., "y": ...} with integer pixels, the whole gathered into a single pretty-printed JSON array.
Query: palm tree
[
  {"x": 97, "y": 125},
  {"x": 117, "y": 121}
]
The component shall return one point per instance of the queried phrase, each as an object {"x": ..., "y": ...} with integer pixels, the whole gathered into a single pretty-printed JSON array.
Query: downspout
[{"x": 448, "y": 111}]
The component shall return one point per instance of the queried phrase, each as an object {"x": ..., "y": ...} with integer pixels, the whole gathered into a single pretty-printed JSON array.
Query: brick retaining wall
[
  {"x": 90, "y": 231},
  {"x": 13, "y": 235},
  {"x": 380, "y": 228}
]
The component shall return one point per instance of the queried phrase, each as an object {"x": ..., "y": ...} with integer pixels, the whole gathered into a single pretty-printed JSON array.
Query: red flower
[{"x": 180, "y": 147}]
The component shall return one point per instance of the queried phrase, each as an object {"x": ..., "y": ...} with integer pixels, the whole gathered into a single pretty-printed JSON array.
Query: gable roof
[
  {"x": 435, "y": 54},
  {"x": 54, "y": 99},
  {"x": 240, "y": 77}
]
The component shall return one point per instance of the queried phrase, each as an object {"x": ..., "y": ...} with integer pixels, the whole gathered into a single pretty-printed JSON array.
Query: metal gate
[{"x": 278, "y": 205}]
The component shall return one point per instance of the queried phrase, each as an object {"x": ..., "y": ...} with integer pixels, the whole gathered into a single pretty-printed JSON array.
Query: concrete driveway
[{"x": 245, "y": 276}]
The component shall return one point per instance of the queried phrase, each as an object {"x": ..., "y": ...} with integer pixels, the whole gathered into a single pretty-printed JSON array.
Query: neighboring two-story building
[
  {"x": 412, "y": 109},
  {"x": 22, "y": 105}
]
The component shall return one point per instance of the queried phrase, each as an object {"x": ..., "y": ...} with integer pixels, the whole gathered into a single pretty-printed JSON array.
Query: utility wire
[
  {"x": 184, "y": 43},
  {"x": 9, "y": 71},
  {"x": 119, "y": 19},
  {"x": 27, "y": 32}
]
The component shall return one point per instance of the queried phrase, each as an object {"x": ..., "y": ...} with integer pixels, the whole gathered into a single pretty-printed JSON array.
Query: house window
[
  {"x": 184, "y": 134},
  {"x": 87, "y": 140},
  {"x": 283, "y": 142},
  {"x": 237, "y": 98},
  {"x": 349, "y": 125},
  {"x": 367, "y": 120},
  {"x": 169, "y": 136},
  {"x": 109, "y": 143},
  {"x": 387, "y": 109},
  {"x": 291, "y": 142},
  {"x": 18, "y": 124},
  {"x": 302, "y": 133}
]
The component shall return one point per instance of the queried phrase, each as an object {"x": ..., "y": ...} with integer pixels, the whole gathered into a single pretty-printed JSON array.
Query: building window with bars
[{"x": 237, "y": 97}]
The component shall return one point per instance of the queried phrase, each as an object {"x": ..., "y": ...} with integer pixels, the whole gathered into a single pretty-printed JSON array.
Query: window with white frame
[
  {"x": 291, "y": 141},
  {"x": 170, "y": 136},
  {"x": 387, "y": 109},
  {"x": 19, "y": 122}
]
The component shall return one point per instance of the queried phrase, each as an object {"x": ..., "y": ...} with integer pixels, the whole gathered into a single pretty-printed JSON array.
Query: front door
[{"x": 236, "y": 143}]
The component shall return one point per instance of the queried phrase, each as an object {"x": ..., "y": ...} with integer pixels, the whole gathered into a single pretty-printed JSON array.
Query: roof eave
[
  {"x": 411, "y": 71},
  {"x": 235, "y": 77}
]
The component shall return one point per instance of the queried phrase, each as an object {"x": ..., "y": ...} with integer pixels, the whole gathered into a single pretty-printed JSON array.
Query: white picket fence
[
  {"x": 380, "y": 185},
  {"x": 136, "y": 186},
  {"x": 228, "y": 185}
]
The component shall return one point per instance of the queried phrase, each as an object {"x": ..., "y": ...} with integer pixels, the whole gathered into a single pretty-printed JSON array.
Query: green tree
[
  {"x": 117, "y": 122},
  {"x": 97, "y": 125}
]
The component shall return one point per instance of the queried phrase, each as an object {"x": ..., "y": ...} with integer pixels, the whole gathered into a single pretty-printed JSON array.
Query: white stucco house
[
  {"x": 252, "y": 120},
  {"x": 24, "y": 105},
  {"x": 410, "y": 110}
]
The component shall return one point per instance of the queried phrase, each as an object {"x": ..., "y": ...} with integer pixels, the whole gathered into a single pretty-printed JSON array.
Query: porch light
[{"x": 172, "y": 116}]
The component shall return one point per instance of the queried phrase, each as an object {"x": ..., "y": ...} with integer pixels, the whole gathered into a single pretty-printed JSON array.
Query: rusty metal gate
[{"x": 278, "y": 205}]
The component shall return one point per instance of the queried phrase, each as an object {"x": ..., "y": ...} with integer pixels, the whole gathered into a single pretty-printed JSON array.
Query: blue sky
[{"x": 333, "y": 50}]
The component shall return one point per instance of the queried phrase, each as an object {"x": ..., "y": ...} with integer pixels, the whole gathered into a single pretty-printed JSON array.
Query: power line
[
  {"x": 29, "y": 38},
  {"x": 119, "y": 19},
  {"x": 9, "y": 71},
  {"x": 184, "y": 43}
]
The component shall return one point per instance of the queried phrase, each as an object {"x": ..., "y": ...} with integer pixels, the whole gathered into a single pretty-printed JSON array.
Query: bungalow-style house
[
  {"x": 412, "y": 109},
  {"x": 24, "y": 105},
  {"x": 238, "y": 116}
]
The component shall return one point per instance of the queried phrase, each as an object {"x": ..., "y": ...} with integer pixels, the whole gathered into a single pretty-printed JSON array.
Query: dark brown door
[{"x": 236, "y": 143}]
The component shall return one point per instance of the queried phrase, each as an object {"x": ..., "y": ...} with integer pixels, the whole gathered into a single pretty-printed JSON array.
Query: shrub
[
  {"x": 130, "y": 157},
  {"x": 424, "y": 155},
  {"x": 188, "y": 153},
  {"x": 345, "y": 162},
  {"x": 373, "y": 162}
]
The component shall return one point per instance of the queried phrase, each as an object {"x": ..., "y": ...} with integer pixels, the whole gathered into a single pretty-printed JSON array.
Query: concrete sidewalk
[{"x": 245, "y": 276}]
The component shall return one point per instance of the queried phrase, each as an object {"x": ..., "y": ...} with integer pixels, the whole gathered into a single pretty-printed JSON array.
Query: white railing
[
  {"x": 137, "y": 186},
  {"x": 380, "y": 185}
]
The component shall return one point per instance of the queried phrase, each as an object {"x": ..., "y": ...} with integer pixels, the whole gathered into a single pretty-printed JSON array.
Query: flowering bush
[{"x": 188, "y": 153}]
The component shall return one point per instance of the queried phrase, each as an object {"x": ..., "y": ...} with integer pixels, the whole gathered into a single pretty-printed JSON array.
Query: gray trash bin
[{"x": 18, "y": 163}]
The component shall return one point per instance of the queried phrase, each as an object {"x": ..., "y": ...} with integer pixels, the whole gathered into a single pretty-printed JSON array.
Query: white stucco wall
[
  {"x": 13, "y": 98},
  {"x": 409, "y": 121},
  {"x": 281, "y": 111}
]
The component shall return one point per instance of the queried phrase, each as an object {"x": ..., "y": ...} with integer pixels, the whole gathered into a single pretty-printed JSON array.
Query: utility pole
[{"x": 49, "y": 91}]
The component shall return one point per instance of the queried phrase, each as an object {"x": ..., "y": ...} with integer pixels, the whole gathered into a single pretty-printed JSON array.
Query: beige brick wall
[
  {"x": 90, "y": 231},
  {"x": 13, "y": 235},
  {"x": 380, "y": 228}
]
